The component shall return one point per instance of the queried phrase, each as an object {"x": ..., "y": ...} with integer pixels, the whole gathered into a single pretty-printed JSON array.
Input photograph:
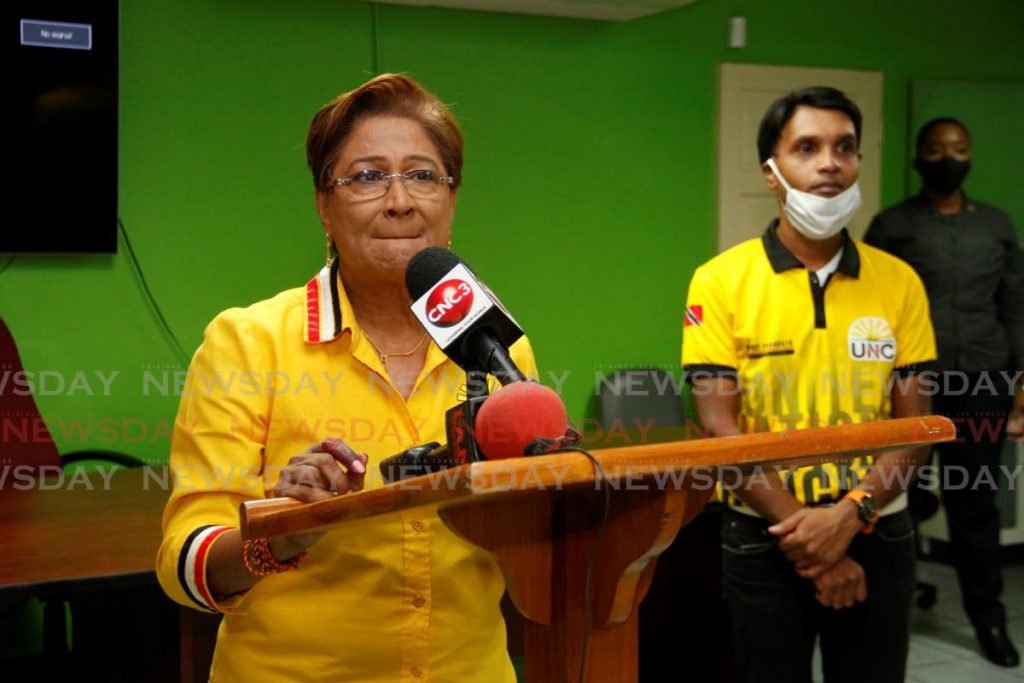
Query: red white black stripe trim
[
  {"x": 694, "y": 316},
  {"x": 192, "y": 565},
  {"x": 323, "y": 306}
]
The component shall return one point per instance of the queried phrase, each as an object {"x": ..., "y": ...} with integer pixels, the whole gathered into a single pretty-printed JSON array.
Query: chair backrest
[
  {"x": 639, "y": 395},
  {"x": 24, "y": 439}
]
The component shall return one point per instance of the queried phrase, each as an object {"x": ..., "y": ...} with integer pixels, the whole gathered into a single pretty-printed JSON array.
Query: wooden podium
[{"x": 568, "y": 558}]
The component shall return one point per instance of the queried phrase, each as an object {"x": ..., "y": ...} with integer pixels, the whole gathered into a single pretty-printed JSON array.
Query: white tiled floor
[{"x": 942, "y": 645}]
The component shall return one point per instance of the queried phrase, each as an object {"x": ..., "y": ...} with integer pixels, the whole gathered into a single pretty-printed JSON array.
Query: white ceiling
[{"x": 605, "y": 10}]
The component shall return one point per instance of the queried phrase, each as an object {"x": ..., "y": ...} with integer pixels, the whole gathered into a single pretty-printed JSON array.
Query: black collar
[
  {"x": 782, "y": 258},
  {"x": 923, "y": 204}
]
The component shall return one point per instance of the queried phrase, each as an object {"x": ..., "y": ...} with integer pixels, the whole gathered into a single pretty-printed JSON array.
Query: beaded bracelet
[{"x": 260, "y": 561}]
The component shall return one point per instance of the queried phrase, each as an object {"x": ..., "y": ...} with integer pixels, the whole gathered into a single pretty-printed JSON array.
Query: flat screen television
[{"x": 61, "y": 192}]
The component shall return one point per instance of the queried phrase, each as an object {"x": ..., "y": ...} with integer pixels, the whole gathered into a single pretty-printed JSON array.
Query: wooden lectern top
[{"x": 650, "y": 464}]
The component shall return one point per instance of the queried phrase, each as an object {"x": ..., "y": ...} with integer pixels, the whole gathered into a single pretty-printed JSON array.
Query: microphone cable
[
  {"x": 9, "y": 262},
  {"x": 150, "y": 299}
]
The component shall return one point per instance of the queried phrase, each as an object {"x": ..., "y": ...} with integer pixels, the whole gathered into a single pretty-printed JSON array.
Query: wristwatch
[{"x": 867, "y": 510}]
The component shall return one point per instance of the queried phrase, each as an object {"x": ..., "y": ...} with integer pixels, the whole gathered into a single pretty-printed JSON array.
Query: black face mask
[{"x": 944, "y": 175}]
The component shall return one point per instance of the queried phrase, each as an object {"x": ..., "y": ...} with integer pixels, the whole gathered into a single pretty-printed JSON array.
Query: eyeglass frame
[{"x": 344, "y": 182}]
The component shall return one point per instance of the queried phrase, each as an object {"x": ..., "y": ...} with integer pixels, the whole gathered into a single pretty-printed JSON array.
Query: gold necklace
[{"x": 384, "y": 356}]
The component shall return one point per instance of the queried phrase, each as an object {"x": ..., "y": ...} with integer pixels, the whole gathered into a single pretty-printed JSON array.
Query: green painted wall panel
[{"x": 590, "y": 177}]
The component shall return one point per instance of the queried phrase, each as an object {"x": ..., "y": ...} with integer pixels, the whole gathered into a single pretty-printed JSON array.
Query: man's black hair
[{"x": 782, "y": 109}]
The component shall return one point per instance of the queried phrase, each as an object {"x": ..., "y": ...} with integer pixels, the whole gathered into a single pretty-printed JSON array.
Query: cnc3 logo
[
  {"x": 872, "y": 339},
  {"x": 449, "y": 303}
]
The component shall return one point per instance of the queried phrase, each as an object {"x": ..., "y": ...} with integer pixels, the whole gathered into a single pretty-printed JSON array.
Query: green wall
[
  {"x": 590, "y": 178},
  {"x": 992, "y": 113}
]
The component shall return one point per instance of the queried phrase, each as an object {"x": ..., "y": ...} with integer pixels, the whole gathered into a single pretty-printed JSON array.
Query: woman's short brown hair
[{"x": 384, "y": 95}]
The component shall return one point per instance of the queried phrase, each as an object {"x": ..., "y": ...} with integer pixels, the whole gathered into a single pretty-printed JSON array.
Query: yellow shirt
[
  {"x": 806, "y": 353},
  {"x": 397, "y": 598}
]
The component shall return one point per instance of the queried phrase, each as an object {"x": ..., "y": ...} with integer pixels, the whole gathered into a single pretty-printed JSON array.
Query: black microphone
[
  {"x": 472, "y": 327},
  {"x": 462, "y": 315},
  {"x": 461, "y": 448},
  {"x": 520, "y": 419}
]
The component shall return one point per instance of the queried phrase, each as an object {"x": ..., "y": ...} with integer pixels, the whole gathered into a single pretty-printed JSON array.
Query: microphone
[
  {"x": 525, "y": 418},
  {"x": 522, "y": 418},
  {"x": 462, "y": 315},
  {"x": 474, "y": 329},
  {"x": 433, "y": 457},
  {"x": 416, "y": 461}
]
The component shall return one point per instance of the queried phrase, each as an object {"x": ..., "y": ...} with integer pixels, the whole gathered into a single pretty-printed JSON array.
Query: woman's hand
[{"x": 315, "y": 475}]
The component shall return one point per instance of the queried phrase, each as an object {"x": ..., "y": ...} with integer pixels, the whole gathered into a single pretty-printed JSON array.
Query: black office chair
[
  {"x": 644, "y": 394},
  {"x": 111, "y": 457}
]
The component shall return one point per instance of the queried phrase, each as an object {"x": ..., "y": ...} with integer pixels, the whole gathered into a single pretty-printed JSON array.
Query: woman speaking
[{"x": 300, "y": 395}]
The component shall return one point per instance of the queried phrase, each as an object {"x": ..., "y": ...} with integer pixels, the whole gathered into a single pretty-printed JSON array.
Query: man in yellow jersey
[{"x": 806, "y": 327}]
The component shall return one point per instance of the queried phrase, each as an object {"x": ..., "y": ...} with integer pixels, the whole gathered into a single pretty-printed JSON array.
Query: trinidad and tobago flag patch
[{"x": 694, "y": 316}]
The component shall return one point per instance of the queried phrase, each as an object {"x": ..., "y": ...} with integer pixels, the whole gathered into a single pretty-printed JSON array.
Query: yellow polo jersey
[
  {"x": 807, "y": 353},
  {"x": 396, "y": 598}
]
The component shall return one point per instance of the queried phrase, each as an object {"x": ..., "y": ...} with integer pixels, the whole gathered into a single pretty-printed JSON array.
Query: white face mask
[{"x": 814, "y": 217}]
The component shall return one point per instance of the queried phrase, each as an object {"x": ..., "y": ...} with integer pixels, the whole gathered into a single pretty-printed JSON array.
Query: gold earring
[
  {"x": 327, "y": 249},
  {"x": 449, "y": 241}
]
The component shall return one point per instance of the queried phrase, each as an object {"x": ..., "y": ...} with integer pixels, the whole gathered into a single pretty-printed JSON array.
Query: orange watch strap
[{"x": 858, "y": 496}]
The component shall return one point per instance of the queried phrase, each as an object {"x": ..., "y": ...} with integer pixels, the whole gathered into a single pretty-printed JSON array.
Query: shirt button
[
  {"x": 416, "y": 671},
  {"x": 419, "y": 601},
  {"x": 417, "y": 525}
]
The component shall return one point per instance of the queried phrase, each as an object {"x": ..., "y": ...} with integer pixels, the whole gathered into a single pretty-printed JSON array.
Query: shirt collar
[
  {"x": 328, "y": 312},
  {"x": 782, "y": 259},
  {"x": 924, "y": 204}
]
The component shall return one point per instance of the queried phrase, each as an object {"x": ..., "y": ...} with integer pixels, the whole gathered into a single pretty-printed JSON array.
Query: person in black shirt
[{"x": 969, "y": 257}]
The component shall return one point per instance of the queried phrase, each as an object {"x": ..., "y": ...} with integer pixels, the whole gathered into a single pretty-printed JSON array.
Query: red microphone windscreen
[{"x": 515, "y": 416}]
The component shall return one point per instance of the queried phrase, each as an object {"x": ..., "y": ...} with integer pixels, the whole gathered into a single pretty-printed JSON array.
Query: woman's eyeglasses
[{"x": 371, "y": 184}]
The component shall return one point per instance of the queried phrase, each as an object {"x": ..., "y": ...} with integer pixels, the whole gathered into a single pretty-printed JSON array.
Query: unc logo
[{"x": 871, "y": 339}]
